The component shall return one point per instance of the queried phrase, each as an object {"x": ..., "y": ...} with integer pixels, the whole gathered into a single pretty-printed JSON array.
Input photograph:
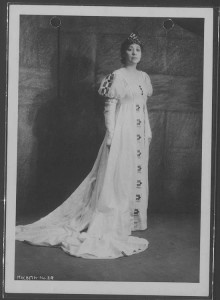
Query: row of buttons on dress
[{"x": 139, "y": 166}]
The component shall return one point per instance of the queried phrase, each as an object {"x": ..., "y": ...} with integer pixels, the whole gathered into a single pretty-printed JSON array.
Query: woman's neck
[{"x": 131, "y": 68}]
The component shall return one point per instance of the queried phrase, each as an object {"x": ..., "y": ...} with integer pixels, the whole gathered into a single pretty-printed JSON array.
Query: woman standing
[{"x": 97, "y": 220}]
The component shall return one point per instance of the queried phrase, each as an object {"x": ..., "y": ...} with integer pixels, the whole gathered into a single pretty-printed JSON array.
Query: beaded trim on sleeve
[{"x": 107, "y": 83}]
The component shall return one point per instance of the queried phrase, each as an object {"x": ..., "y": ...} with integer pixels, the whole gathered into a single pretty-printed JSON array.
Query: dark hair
[{"x": 124, "y": 46}]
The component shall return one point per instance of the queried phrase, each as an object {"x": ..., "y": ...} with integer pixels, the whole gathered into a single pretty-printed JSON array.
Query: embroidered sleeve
[
  {"x": 111, "y": 87},
  {"x": 106, "y": 85}
]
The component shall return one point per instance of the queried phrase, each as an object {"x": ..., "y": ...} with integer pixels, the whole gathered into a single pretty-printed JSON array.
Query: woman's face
[{"x": 133, "y": 54}]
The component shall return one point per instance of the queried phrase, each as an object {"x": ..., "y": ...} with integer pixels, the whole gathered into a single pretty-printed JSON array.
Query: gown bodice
[{"x": 120, "y": 86}]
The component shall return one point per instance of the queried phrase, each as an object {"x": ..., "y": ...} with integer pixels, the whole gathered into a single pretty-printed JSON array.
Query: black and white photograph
[{"x": 109, "y": 150}]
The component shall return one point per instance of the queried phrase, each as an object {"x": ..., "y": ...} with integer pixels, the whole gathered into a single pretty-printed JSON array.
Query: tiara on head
[{"x": 133, "y": 38}]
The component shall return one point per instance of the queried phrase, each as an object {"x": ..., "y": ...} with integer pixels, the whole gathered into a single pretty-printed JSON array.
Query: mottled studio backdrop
[{"x": 61, "y": 123}]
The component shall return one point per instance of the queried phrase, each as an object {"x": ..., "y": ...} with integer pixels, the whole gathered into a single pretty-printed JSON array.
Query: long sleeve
[
  {"x": 111, "y": 89},
  {"x": 109, "y": 113}
]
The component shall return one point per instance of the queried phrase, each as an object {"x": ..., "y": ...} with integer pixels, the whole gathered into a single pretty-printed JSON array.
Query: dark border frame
[{"x": 215, "y": 187}]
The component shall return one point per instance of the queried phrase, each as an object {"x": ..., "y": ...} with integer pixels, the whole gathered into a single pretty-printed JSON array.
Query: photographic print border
[{"x": 11, "y": 162}]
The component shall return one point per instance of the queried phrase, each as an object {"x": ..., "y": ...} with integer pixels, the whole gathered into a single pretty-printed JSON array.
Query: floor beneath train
[{"x": 172, "y": 256}]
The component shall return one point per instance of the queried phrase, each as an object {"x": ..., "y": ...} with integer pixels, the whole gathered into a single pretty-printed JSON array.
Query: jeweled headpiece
[{"x": 134, "y": 39}]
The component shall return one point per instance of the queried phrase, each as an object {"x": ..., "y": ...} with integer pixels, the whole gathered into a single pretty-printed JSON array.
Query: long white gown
[{"x": 97, "y": 220}]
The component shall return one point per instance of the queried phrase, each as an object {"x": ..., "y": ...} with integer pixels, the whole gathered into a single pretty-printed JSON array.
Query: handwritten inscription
[{"x": 34, "y": 277}]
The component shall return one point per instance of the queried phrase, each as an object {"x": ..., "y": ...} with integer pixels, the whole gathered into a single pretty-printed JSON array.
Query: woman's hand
[{"x": 108, "y": 143}]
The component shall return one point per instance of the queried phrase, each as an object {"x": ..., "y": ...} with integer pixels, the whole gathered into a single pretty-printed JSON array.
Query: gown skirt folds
[{"x": 97, "y": 220}]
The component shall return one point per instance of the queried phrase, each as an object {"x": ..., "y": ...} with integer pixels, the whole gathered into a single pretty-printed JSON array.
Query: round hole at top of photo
[
  {"x": 168, "y": 24},
  {"x": 55, "y": 22}
]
